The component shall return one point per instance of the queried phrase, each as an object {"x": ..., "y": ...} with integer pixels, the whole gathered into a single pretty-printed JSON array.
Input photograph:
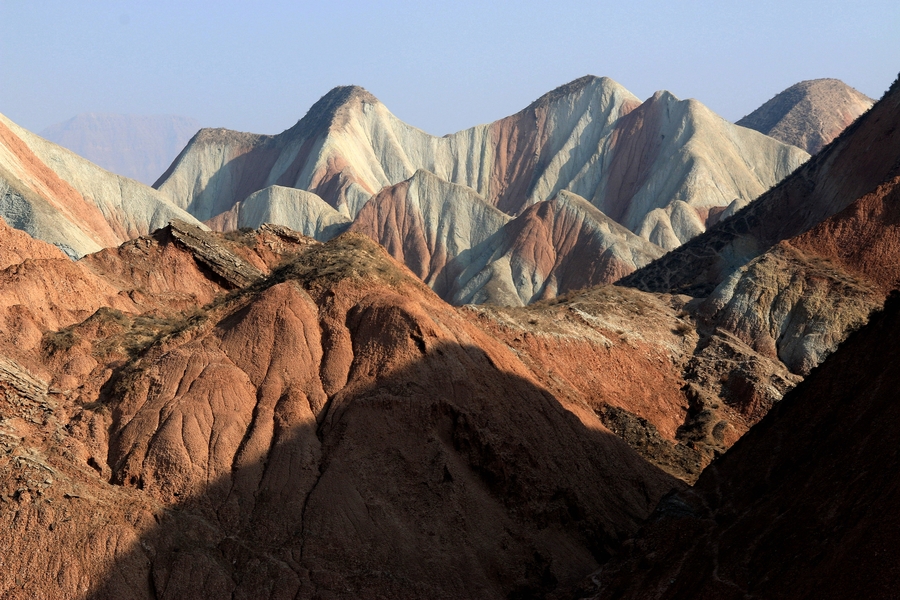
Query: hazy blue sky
[{"x": 441, "y": 66}]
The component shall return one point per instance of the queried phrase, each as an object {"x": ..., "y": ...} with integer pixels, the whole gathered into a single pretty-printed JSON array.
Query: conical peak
[
  {"x": 573, "y": 87},
  {"x": 333, "y": 105},
  {"x": 664, "y": 96}
]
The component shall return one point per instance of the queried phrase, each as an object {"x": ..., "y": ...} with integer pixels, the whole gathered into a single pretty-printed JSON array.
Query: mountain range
[
  {"x": 248, "y": 408},
  {"x": 662, "y": 170}
]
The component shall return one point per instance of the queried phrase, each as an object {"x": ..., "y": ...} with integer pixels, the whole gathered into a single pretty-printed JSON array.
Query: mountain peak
[
  {"x": 332, "y": 106},
  {"x": 574, "y": 87},
  {"x": 809, "y": 114}
]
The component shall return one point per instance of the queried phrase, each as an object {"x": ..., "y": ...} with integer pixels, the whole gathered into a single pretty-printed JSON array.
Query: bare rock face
[
  {"x": 815, "y": 518},
  {"x": 664, "y": 169},
  {"x": 139, "y": 147},
  {"x": 59, "y": 197},
  {"x": 809, "y": 114},
  {"x": 674, "y": 165},
  {"x": 553, "y": 247},
  {"x": 426, "y": 222},
  {"x": 857, "y": 162},
  {"x": 328, "y": 427},
  {"x": 300, "y": 211}
]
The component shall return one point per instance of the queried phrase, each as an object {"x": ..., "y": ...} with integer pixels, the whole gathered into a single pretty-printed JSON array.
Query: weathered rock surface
[
  {"x": 301, "y": 211},
  {"x": 426, "y": 222},
  {"x": 59, "y": 197},
  {"x": 809, "y": 114},
  {"x": 802, "y": 297},
  {"x": 673, "y": 166},
  {"x": 664, "y": 169},
  {"x": 862, "y": 158},
  {"x": 139, "y": 147},
  {"x": 804, "y": 506},
  {"x": 332, "y": 429},
  {"x": 553, "y": 247}
]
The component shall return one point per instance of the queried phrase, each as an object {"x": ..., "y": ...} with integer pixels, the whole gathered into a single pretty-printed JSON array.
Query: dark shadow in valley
[{"x": 447, "y": 478}]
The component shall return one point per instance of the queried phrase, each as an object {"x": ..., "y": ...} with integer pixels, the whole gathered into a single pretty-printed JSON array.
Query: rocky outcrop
[
  {"x": 801, "y": 298},
  {"x": 291, "y": 434},
  {"x": 59, "y": 197},
  {"x": 139, "y": 147},
  {"x": 809, "y": 114},
  {"x": 553, "y": 247},
  {"x": 664, "y": 169},
  {"x": 811, "y": 519}
]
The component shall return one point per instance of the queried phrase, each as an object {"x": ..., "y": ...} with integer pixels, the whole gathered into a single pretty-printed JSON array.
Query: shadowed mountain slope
[
  {"x": 809, "y": 114},
  {"x": 804, "y": 506},
  {"x": 330, "y": 428}
]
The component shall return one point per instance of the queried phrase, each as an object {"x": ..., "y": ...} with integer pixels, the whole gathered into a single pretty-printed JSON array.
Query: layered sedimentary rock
[
  {"x": 665, "y": 168},
  {"x": 785, "y": 281},
  {"x": 426, "y": 222},
  {"x": 815, "y": 518},
  {"x": 301, "y": 211},
  {"x": 809, "y": 114},
  {"x": 862, "y": 158},
  {"x": 331, "y": 428},
  {"x": 61, "y": 198},
  {"x": 553, "y": 247},
  {"x": 139, "y": 147}
]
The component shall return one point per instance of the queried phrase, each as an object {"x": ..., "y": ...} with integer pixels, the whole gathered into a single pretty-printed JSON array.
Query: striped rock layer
[
  {"x": 61, "y": 198},
  {"x": 664, "y": 169}
]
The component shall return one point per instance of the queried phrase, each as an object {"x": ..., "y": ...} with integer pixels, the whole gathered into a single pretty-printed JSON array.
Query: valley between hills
[{"x": 600, "y": 348}]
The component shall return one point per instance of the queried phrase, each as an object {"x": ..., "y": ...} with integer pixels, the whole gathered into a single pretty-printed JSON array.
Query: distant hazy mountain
[
  {"x": 61, "y": 198},
  {"x": 809, "y": 114},
  {"x": 137, "y": 146}
]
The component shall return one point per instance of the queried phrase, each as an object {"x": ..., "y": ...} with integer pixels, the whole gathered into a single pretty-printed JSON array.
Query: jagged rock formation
[
  {"x": 664, "y": 169},
  {"x": 809, "y": 114},
  {"x": 289, "y": 435},
  {"x": 61, "y": 198},
  {"x": 804, "y": 506},
  {"x": 553, "y": 247},
  {"x": 139, "y": 147}
]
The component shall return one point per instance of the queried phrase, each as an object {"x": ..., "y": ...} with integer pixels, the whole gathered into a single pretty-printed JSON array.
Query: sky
[{"x": 440, "y": 66}]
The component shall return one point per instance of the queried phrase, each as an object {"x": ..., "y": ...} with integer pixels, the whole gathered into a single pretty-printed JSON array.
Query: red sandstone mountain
[
  {"x": 254, "y": 413},
  {"x": 804, "y": 506},
  {"x": 288, "y": 437},
  {"x": 809, "y": 114}
]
